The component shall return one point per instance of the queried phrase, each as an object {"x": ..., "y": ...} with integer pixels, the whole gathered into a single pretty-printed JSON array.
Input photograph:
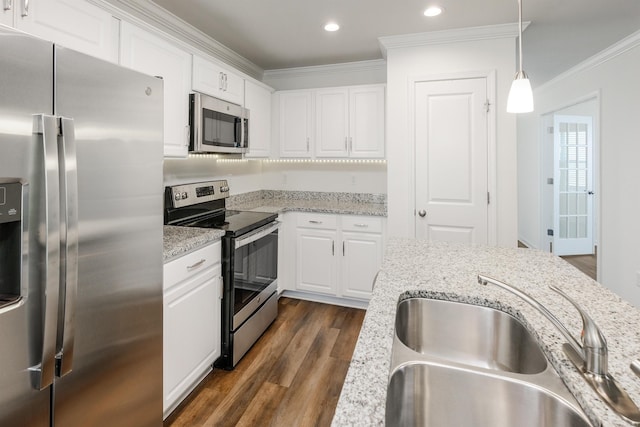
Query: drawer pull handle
[
  {"x": 361, "y": 225},
  {"x": 313, "y": 221},
  {"x": 196, "y": 265}
]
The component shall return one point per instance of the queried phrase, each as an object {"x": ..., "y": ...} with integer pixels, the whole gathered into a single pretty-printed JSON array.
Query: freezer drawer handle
[
  {"x": 8, "y": 4},
  {"x": 25, "y": 8},
  {"x": 45, "y": 128},
  {"x": 69, "y": 244}
]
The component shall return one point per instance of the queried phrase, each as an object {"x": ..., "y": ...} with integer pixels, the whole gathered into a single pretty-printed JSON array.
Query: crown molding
[
  {"x": 630, "y": 42},
  {"x": 486, "y": 32},
  {"x": 375, "y": 65},
  {"x": 159, "y": 18}
]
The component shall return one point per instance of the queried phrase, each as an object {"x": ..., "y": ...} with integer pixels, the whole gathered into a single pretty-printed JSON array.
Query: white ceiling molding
[
  {"x": 160, "y": 19},
  {"x": 450, "y": 36},
  {"x": 624, "y": 45},
  {"x": 342, "y": 68}
]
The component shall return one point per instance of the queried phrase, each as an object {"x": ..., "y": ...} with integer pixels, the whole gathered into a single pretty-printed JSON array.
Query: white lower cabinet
[
  {"x": 192, "y": 293},
  {"x": 338, "y": 255}
]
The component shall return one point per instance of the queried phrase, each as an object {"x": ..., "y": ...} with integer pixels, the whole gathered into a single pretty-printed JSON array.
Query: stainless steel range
[{"x": 249, "y": 261}]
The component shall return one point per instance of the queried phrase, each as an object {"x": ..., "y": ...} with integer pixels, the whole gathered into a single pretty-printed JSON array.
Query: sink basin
[
  {"x": 468, "y": 334},
  {"x": 423, "y": 394}
]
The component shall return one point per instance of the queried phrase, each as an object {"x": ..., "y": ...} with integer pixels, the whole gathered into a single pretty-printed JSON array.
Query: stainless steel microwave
[{"x": 217, "y": 126}]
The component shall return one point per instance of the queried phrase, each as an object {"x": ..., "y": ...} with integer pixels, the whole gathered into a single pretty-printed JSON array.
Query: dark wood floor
[
  {"x": 292, "y": 376},
  {"x": 584, "y": 263}
]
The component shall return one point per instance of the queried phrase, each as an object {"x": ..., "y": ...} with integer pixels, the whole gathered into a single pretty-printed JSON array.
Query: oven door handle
[{"x": 257, "y": 234}]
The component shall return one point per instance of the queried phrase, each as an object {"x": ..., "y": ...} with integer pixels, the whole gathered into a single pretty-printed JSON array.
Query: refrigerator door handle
[
  {"x": 68, "y": 247},
  {"x": 46, "y": 128}
]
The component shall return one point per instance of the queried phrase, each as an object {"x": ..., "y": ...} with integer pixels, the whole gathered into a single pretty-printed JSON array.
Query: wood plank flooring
[
  {"x": 584, "y": 263},
  {"x": 292, "y": 376}
]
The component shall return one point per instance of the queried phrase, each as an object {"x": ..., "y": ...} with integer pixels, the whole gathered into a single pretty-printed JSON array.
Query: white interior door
[
  {"x": 451, "y": 160},
  {"x": 573, "y": 185}
]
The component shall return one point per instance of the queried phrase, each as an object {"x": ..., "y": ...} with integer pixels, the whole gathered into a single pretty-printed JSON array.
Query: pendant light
[{"x": 520, "y": 98}]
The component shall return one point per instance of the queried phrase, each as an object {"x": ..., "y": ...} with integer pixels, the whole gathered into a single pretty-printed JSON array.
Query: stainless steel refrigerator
[{"x": 80, "y": 239}]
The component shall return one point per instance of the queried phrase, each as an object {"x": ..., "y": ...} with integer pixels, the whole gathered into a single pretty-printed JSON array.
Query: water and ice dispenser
[{"x": 11, "y": 240}]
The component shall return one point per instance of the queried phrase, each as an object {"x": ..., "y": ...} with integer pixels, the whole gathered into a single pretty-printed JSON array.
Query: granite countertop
[
  {"x": 182, "y": 240},
  {"x": 308, "y": 201},
  {"x": 448, "y": 271}
]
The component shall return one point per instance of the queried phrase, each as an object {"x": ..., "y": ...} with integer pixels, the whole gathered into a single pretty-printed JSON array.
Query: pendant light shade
[{"x": 520, "y": 98}]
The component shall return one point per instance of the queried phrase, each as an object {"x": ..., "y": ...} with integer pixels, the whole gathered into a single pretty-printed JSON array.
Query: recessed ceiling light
[
  {"x": 433, "y": 11},
  {"x": 331, "y": 26}
]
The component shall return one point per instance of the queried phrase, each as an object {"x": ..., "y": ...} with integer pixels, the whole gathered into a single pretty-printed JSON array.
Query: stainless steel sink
[
  {"x": 431, "y": 395},
  {"x": 468, "y": 334},
  {"x": 455, "y": 364}
]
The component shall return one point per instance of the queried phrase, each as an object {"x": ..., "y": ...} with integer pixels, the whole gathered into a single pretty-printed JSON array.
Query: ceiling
[{"x": 278, "y": 34}]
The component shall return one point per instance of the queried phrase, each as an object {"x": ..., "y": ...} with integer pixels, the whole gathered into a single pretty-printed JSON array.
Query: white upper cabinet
[
  {"x": 338, "y": 122},
  {"x": 75, "y": 24},
  {"x": 214, "y": 80},
  {"x": 6, "y": 12},
  {"x": 295, "y": 123},
  {"x": 332, "y": 122},
  {"x": 257, "y": 98},
  {"x": 366, "y": 121},
  {"x": 150, "y": 54},
  {"x": 350, "y": 122}
]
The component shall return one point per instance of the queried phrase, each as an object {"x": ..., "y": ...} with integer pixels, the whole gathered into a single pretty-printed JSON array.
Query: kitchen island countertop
[
  {"x": 449, "y": 271},
  {"x": 179, "y": 241}
]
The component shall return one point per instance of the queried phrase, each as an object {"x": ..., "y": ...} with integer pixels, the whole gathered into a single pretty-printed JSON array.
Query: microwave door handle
[
  {"x": 69, "y": 245},
  {"x": 47, "y": 218}
]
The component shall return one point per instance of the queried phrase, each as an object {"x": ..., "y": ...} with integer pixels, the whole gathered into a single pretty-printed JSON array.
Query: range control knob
[
  {"x": 177, "y": 196},
  {"x": 224, "y": 189},
  {"x": 184, "y": 195}
]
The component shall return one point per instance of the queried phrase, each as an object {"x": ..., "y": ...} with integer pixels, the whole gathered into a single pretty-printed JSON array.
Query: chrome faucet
[{"x": 590, "y": 358}]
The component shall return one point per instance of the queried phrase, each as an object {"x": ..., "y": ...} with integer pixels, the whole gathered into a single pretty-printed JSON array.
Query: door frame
[
  {"x": 490, "y": 78},
  {"x": 597, "y": 97}
]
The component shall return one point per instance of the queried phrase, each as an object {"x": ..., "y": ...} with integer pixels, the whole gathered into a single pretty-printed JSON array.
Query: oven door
[{"x": 255, "y": 271}]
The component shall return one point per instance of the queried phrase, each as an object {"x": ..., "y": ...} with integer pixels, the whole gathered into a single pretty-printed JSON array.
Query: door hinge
[
  {"x": 488, "y": 197},
  {"x": 487, "y": 105},
  {"x": 550, "y": 129}
]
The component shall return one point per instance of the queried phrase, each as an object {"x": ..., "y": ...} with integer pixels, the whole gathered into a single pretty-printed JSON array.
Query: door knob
[{"x": 422, "y": 213}]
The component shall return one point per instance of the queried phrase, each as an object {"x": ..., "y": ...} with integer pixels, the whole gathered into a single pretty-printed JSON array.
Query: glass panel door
[{"x": 573, "y": 185}]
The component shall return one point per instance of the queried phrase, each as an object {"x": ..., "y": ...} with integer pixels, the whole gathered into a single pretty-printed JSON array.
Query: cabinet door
[
  {"x": 191, "y": 334},
  {"x": 233, "y": 87},
  {"x": 362, "y": 257},
  {"x": 75, "y": 24},
  {"x": 257, "y": 99},
  {"x": 150, "y": 54},
  {"x": 6, "y": 12},
  {"x": 296, "y": 124},
  {"x": 215, "y": 80},
  {"x": 332, "y": 122},
  {"x": 316, "y": 269},
  {"x": 366, "y": 121}
]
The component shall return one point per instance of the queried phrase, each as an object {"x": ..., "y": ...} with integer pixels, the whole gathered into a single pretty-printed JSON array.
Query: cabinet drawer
[
  {"x": 191, "y": 264},
  {"x": 368, "y": 224},
  {"x": 314, "y": 220}
]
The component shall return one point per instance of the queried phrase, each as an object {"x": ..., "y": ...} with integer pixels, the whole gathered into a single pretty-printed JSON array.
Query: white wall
[
  {"x": 242, "y": 176},
  {"x": 438, "y": 59},
  {"x": 338, "y": 177},
  {"x": 252, "y": 175},
  {"x": 614, "y": 74}
]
